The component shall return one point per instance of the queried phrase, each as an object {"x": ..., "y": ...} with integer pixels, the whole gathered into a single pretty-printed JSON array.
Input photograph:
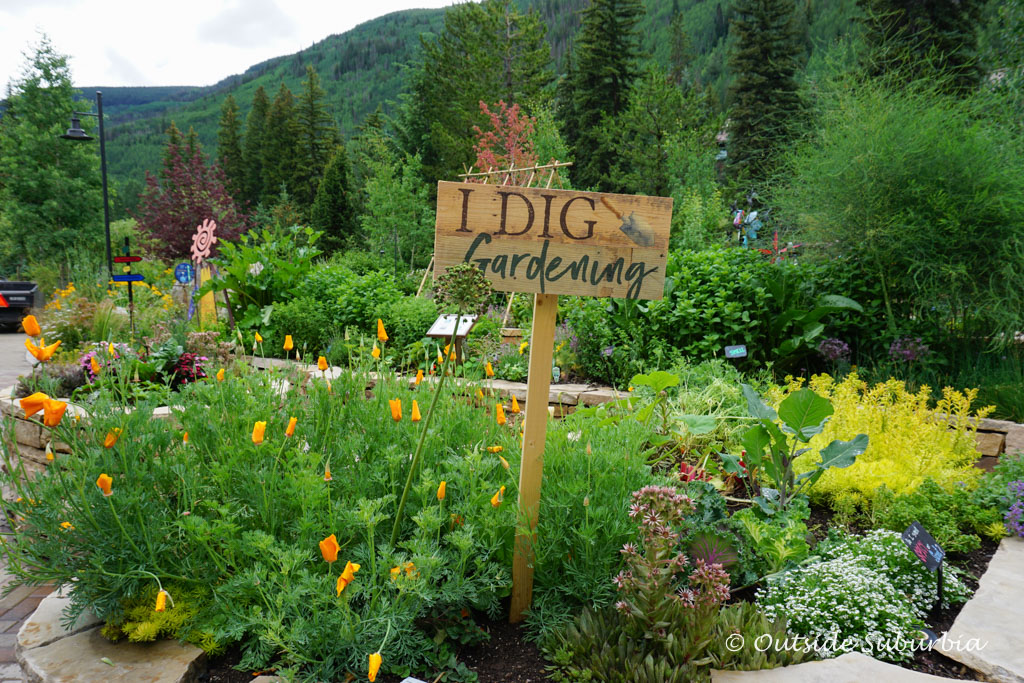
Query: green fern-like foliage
[{"x": 139, "y": 622}]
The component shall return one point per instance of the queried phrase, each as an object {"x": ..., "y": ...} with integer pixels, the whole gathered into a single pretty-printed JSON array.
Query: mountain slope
[{"x": 362, "y": 69}]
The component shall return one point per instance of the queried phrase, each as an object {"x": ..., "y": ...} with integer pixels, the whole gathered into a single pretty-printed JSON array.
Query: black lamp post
[{"x": 75, "y": 132}]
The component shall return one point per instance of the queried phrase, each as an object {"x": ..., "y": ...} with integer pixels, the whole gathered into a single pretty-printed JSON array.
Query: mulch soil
[{"x": 508, "y": 657}]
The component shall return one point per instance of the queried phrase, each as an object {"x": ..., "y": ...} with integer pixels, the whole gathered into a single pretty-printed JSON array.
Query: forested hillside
[{"x": 362, "y": 69}]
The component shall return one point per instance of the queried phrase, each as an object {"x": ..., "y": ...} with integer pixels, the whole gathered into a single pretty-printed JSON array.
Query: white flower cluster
[{"x": 865, "y": 593}]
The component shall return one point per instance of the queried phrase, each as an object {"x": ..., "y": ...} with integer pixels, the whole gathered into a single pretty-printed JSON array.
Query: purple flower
[
  {"x": 908, "y": 349},
  {"x": 608, "y": 351},
  {"x": 834, "y": 350}
]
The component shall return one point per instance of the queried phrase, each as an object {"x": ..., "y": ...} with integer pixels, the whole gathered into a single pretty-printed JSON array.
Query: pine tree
[
  {"x": 606, "y": 60},
  {"x": 487, "y": 52},
  {"x": 333, "y": 209},
  {"x": 50, "y": 200},
  {"x": 317, "y": 137},
  {"x": 765, "y": 99},
  {"x": 252, "y": 154},
  {"x": 229, "y": 146},
  {"x": 924, "y": 38},
  {"x": 280, "y": 146},
  {"x": 174, "y": 141}
]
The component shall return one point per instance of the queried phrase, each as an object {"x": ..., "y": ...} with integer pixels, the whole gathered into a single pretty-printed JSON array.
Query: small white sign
[{"x": 444, "y": 326}]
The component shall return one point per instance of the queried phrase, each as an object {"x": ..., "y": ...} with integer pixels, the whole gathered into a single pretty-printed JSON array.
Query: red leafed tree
[
  {"x": 509, "y": 141},
  {"x": 187, "y": 192}
]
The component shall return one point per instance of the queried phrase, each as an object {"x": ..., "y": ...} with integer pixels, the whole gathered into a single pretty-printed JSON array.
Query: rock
[
  {"x": 852, "y": 667},
  {"x": 44, "y": 625},
  {"x": 79, "y": 659},
  {"x": 1015, "y": 440},
  {"x": 268, "y": 679},
  {"x": 593, "y": 397},
  {"x": 28, "y": 433},
  {"x": 990, "y": 443},
  {"x": 985, "y": 635}
]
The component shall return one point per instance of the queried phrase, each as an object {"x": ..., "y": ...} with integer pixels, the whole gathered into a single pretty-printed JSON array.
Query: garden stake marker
[
  {"x": 575, "y": 248},
  {"x": 129, "y": 277}
]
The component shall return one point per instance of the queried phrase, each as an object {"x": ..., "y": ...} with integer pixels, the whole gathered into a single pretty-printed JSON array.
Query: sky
[{"x": 175, "y": 42}]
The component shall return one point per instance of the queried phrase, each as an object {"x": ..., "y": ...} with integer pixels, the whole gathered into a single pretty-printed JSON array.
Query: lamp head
[{"x": 75, "y": 132}]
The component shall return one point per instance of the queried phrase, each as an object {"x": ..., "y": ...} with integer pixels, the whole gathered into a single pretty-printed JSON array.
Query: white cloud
[
  {"x": 249, "y": 23},
  {"x": 124, "y": 70}
]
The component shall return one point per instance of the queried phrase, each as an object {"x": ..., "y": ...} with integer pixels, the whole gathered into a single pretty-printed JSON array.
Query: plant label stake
[
  {"x": 928, "y": 551},
  {"x": 549, "y": 242},
  {"x": 738, "y": 351},
  {"x": 128, "y": 276}
]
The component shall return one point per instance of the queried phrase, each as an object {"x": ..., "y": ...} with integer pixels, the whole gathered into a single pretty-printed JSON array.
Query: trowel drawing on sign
[{"x": 634, "y": 227}]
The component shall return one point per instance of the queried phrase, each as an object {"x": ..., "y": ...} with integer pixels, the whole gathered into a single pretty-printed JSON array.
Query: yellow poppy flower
[
  {"x": 499, "y": 414},
  {"x": 488, "y": 369},
  {"x": 220, "y": 375},
  {"x": 257, "y": 432},
  {"x": 288, "y": 344},
  {"x": 329, "y": 549},
  {"x": 161, "y": 601},
  {"x": 442, "y": 490},
  {"x": 49, "y": 453},
  {"x": 104, "y": 481},
  {"x": 67, "y": 525},
  {"x": 395, "y": 572},
  {"x": 504, "y": 462},
  {"x": 515, "y": 405},
  {"x": 258, "y": 339},
  {"x": 375, "y": 662},
  {"x": 321, "y": 364},
  {"x": 415, "y": 411},
  {"x": 495, "y": 449},
  {"x": 375, "y": 352},
  {"x": 327, "y": 472},
  {"x": 381, "y": 334},
  {"x": 522, "y": 347},
  {"x": 419, "y": 376}
]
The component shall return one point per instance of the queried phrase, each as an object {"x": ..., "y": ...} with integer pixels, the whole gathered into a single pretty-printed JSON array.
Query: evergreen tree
[
  {"x": 229, "y": 146},
  {"x": 252, "y": 154},
  {"x": 333, "y": 209},
  {"x": 487, "y": 52},
  {"x": 280, "y": 145},
  {"x": 922, "y": 38},
  {"x": 766, "y": 102},
  {"x": 317, "y": 137},
  {"x": 50, "y": 200},
  {"x": 174, "y": 141},
  {"x": 605, "y": 65}
]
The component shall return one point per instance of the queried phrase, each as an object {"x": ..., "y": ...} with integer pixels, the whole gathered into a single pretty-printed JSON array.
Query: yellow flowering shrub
[{"x": 909, "y": 441}]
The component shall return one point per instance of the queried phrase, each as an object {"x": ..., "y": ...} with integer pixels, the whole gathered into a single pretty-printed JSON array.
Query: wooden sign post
[
  {"x": 202, "y": 242},
  {"x": 549, "y": 242}
]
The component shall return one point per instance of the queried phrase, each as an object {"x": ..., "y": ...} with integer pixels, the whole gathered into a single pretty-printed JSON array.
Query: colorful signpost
[
  {"x": 126, "y": 275},
  {"x": 202, "y": 243},
  {"x": 549, "y": 242}
]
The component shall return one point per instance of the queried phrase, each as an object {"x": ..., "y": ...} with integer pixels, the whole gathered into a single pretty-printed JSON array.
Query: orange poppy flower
[
  {"x": 41, "y": 353},
  {"x": 291, "y": 426},
  {"x": 257, "y": 432},
  {"x": 31, "y": 326},
  {"x": 442, "y": 490},
  {"x": 220, "y": 375},
  {"x": 396, "y": 409},
  {"x": 415, "y": 411},
  {"x": 347, "y": 577},
  {"x": 95, "y": 365},
  {"x": 488, "y": 369},
  {"x": 497, "y": 497},
  {"x": 419, "y": 377},
  {"x": 327, "y": 472},
  {"x": 104, "y": 481},
  {"x": 53, "y": 411},
  {"x": 515, "y": 405},
  {"x": 321, "y": 364},
  {"x": 258, "y": 339},
  {"x": 288, "y": 344},
  {"x": 376, "y": 351},
  {"x": 499, "y": 414},
  {"x": 33, "y": 403},
  {"x": 381, "y": 334},
  {"x": 161, "y": 601},
  {"x": 112, "y": 436},
  {"x": 329, "y": 549},
  {"x": 495, "y": 449}
]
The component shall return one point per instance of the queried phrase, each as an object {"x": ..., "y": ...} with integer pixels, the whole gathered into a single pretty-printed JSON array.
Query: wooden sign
[{"x": 555, "y": 241}]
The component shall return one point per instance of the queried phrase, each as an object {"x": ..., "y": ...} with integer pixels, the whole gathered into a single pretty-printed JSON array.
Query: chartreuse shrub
[
  {"x": 278, "y": 537},
  {"x": 909, "y": 441}
]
